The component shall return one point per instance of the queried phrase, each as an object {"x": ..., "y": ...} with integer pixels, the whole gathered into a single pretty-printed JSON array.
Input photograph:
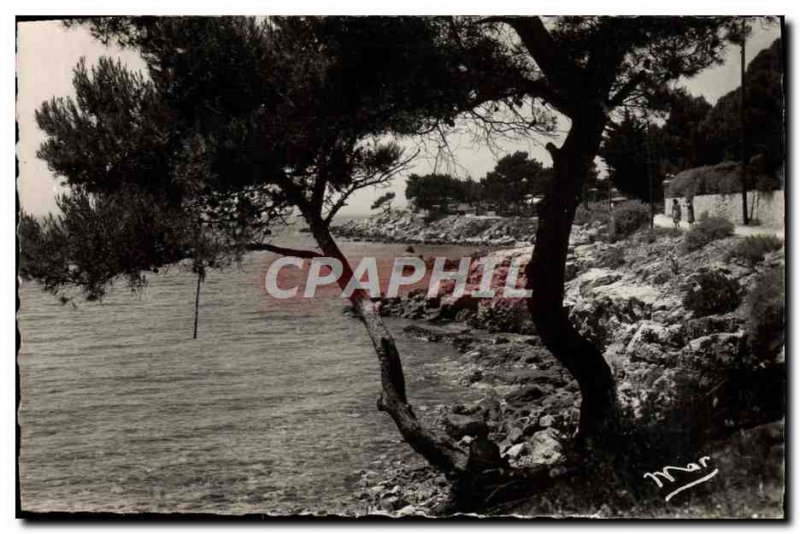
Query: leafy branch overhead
[{"x": 237, "y": 122}]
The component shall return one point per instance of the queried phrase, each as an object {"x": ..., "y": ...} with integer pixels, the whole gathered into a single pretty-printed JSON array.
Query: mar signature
[{"x": 701, "y": 464}]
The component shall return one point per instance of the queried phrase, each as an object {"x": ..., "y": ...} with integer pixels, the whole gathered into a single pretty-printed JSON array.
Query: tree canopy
[
  {"x": 764, "y": 108},
  {"x": 697, "y": 134},
  {"x": 436, "y": 191},
  {"x": 514, "y": 179},
  {"x": 237, "y": 122}
]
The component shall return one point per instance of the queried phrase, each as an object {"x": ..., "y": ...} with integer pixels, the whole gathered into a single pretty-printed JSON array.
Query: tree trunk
[
  {"x": 545, "y": 275},
  {"x": 438, "y": 449}
]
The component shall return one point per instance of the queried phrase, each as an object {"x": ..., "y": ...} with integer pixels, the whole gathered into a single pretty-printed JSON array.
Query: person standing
[
  {"x": 676, "y": 213},
  {"x": 690, "y": 210}
]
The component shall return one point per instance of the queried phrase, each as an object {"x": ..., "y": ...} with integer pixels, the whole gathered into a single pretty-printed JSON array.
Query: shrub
[
  {"x": 765, "y": 307},
  {"x": 587, "y": 214},
  {"x": 721, "y": 179},
  {"x": 629, "y": 217},
  {"x": 709, "y": 228},
  {"x": 651, "y": 235},
  {"x": 711, "y": 292},
  {"x": 752, "y": 249}
]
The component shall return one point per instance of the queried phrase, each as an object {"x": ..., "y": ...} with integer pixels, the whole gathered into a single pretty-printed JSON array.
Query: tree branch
[
  {"x": 357, "y": 184},
  {"x": 541, "y": 89},
  {"x": 563, "y": 76},
  {"x": 625, "y": 91},
  {"x": 283, "y": 250}
]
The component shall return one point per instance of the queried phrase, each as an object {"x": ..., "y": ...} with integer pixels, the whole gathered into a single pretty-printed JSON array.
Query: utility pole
[
  {"x": 648, "y": 148},
  {"x": 742, "y": 119},
  {"x": 197, "y": 302}
]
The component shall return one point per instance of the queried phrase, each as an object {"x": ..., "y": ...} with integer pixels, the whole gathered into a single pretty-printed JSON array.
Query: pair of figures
[{"x": 677, "y": 214}]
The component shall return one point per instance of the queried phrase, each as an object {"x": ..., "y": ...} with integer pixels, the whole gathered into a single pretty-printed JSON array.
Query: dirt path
[{"x": 663, "y": 221}]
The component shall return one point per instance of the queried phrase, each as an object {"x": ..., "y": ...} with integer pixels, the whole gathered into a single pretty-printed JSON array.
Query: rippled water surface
[{"x": 272, "y": 409}]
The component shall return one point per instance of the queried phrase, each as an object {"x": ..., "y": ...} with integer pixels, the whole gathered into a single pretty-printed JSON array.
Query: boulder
[
  {"x": 650, "y": 332},
  {"x": 547, "y": 421},
  {"x": 595, "y": 277},
  {"x": 547, "y": 448},
  {"x": 542, "y": 448},
  {"x": 712, "y": 324},
  {"x": 716, "y": 351},
  {"x": 457, "y": 426},
  {"x": 514, "y": 452},
  {"x": 526, "y": 395}
]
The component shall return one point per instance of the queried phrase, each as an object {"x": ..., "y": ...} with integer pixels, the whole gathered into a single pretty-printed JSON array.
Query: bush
[
  {"x": 721, "y": 179},
  {"x": 752, "y": 249},
  {"x": 708, "y": 229},
  {"x": 629, "y": 217},
  {"x": 765, "y": 307},
  {"x": 711, "y": 292},
  {"x": 651, "y": 235},
  {"x": 595, "y": 211}
]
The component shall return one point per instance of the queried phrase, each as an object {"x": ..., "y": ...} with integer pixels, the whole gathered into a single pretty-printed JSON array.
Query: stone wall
[{"x": 765, "y": 206}]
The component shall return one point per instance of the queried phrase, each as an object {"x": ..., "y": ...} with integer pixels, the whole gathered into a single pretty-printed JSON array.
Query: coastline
[
  {"x": 401, "y": 226},
  {"x": 625, "y": 297}
]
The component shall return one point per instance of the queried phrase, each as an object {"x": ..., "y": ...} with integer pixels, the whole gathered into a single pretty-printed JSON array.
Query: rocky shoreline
[
  {"x": 405, "y": 227},
  {"x": 628, "y": 297}
]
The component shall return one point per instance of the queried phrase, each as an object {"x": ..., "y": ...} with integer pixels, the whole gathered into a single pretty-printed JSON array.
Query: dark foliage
[
  {"x": 723, "y": 178},
  {"x": 592, "y": 212},
  {"x": 629, "y": 217},
  {"x": 239, "y": 121},
  {"x": 711, "y": 292},
  {"x": 764, "y": 108},
  {"x": 752, "y": 249},
  {"x": 631, "y": 151},
  {"x": 434, "y": 192},
  {"x": 707, "y": 229},
  {"x": 384, "y": 201},
  {"x": 515, "y": 178},
  {"x": 765, "y": 305}
]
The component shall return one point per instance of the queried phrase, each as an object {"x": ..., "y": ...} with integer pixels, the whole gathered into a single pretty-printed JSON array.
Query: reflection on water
[{"x": 272, "y": 409}]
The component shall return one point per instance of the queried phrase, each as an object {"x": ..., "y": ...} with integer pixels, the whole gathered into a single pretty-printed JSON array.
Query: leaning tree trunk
[
  {"x": 438, "y": 449},
  {"x": 545, "y": 277}
]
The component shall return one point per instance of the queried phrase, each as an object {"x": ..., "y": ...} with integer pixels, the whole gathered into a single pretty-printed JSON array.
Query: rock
[
  {"x": 515, "y": 451},
  {"x": 484, "y": 453},
  {"x": 627, "y": 295},
  {"x": 715, "y": 351},
  {"x": 451, "y": 305},
  {"x": 547, "y": 421},
  {"x": 596, "y": 277},
  {"x": 526, "y": 395},
  {"x": 489, "y": 408},
  {"x": 546, "y": 447},
  {"x": 465, "y": 315},
  {"x": 570, "y": 270},
  {"x": 712, "y": 324},
  {"x": 393, "y": 503},
  {"x": 655, "y": 343},
  {"x": 542, "y": 448},
  {"x": 408, "y": 510},
  {"x": 458, "y": 426},
  {"x": 652, "y": 332},
  {"x": 514, "y": 435}
]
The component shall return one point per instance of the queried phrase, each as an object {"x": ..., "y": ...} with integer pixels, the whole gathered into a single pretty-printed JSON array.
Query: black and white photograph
[{"x": 401, "y": 267}]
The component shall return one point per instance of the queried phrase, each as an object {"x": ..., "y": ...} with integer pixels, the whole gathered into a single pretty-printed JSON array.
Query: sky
[{"x": 47, "y": 53}]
